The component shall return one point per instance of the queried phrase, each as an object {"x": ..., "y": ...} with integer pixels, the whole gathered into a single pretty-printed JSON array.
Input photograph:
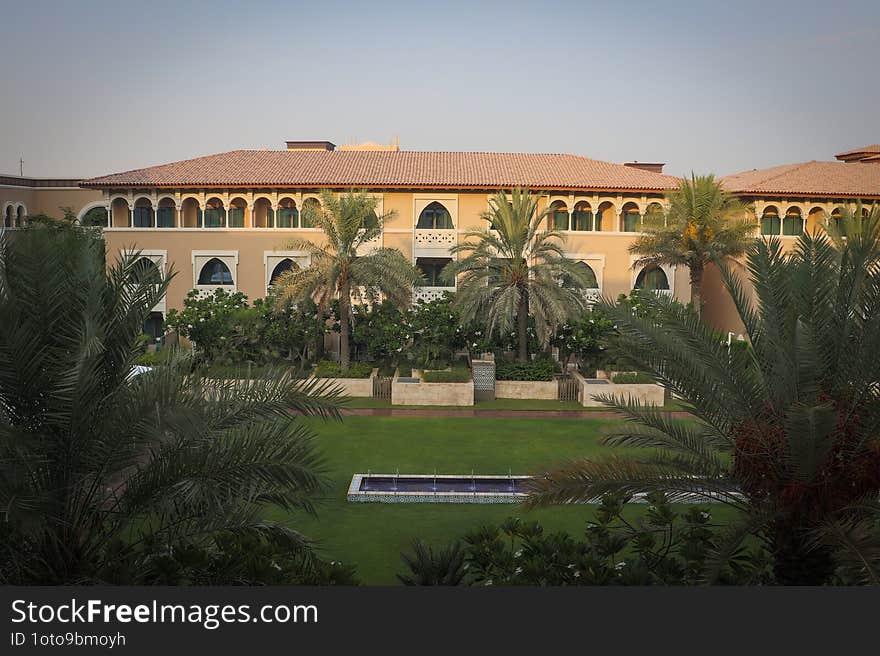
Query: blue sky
[{"x": 95, "y": 87}]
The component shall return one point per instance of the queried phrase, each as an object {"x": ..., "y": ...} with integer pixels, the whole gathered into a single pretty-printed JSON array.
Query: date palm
[
  {"x": 516, "y": 267},
  {"x": 99, "y": 469},
  {"x": 786, "y": 430},
  {"x": 339, "y": 270},
  {"x": 702, "y": 224}
]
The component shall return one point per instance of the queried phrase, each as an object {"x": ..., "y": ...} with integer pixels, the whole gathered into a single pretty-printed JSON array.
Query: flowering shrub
[
  {"x": 437, "y": 331},
  {"x": 585, "y": 339},
  {"x": 226, "y": 330},
  {"x": 206, "y": 320},
  {"x": 381, "y": 331}
]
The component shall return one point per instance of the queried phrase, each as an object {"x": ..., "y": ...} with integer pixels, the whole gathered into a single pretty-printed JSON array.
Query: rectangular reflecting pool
[
  {"x": 437, "y": 488},
  {"x": 430, "y": 488}
]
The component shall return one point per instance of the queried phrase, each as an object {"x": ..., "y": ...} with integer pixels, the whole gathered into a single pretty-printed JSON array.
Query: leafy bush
[
  {"x": 586, "y": 339},
  {"x": 207, "y": 320},
  {"x": 539, "y": 369},
  {"x": 332, "y": 369},
  {"x": 226, "y": 330},
  {"x": 455, "y": 375},
  {"x": 436, "y": 329},
  {"x": 404, "y": 370},
  {"x": 632, "y": 378},
  {"x": 380, "y": 331},
  {"x": 151, "y": 358},
  {"x": 666, "y": 547}
]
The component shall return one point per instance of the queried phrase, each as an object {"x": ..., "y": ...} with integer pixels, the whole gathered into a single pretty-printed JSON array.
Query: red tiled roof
[
  {"x": 403, "y": 169},
  {"x": 867, "y": 150},
  {"x": 858, "y": 179}
]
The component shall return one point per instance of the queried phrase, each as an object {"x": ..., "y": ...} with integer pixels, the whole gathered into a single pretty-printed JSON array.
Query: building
[{"x": 224, "y": 220}]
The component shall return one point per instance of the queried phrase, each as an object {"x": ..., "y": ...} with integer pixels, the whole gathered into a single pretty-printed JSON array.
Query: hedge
[
  {"x": 632, "y": 378},
  {"x": 457, "y": 375},
  {"x": 542, "y": 369},
  {"x": 331, "y": 369}
]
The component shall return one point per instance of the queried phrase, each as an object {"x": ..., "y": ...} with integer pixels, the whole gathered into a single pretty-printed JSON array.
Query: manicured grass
[{"x": 372, "y": 535}]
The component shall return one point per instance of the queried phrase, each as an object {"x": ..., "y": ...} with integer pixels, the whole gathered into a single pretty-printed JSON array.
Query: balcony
[{"x": 434, "y": 242}]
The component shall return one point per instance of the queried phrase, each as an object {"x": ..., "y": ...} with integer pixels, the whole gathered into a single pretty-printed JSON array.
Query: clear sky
[{"x": 94, "y": 87}]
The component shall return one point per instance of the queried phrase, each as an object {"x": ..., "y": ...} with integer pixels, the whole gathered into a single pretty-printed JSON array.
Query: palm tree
[
  {"x": 513, "y": 268},
  {"x": 446, "y": 566},
  {"x": 100, "y": 469},
  {"x": 338, "y": 270},
  {"x": 786, "y": 430},
  {"x": 703, "y": 224}
]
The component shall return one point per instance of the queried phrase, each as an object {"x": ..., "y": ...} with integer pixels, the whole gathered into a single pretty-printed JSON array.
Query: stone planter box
[
  {"x": 526, "y": 389},
  {"x": 649, "y": 393},
  {"x": 353, "y": 386},
  {"x": 422, "y": 393}
]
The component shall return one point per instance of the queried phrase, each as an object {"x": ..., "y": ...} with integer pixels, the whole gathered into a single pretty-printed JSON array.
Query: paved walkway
[{"x": 477, "y": 412}]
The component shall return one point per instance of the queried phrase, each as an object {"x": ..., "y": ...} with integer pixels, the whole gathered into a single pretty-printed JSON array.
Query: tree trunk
[
  {"x": 796, "y": 562},
  {"x": 522, "y": 326},
  {"x": 344, "y": 325},
  {"x": 697, "y": 288}
]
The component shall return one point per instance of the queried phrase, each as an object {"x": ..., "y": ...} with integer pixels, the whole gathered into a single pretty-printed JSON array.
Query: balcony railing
[
  {"x": 435, "y": 240},
  {"x": 426, "y": 294}
]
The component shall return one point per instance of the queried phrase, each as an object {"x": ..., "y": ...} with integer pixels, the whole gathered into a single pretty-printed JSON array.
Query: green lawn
[{"x": 372, "y": 535}]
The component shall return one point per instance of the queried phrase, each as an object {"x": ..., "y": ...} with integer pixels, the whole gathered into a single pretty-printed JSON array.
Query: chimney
[
  {"x": 653, "y": 167},
  {"x": 310, "y": 145}
]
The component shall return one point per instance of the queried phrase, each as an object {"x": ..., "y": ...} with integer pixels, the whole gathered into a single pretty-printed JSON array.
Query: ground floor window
[
  {"x": 431, "y": 268},
  {"x": 154, "y": 326},
  {"x": 652, "y": 278}
]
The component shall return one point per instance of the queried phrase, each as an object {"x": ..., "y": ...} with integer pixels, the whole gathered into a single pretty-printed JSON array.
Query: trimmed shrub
[
  {"x": 331, "y": 369},
  {"x": 536, "y": 370},
  {"x": 456, "y": 375},
  {"x": 632, "y": 378}
]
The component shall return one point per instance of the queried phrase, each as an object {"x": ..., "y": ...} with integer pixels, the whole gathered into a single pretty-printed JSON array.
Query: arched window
[
  {"x": 215, "y": 214},
  {"x": 288, "y": 215},
  {"x": 145, "y": 271},
  {"x": 587, "y": 273},
  {"x": 311, "y": 208},
  {"x": 281, "y": 268},
  {"x": 434, "y": 217},
  {"x": 97, "y": 216},
  {"x": 236, "y": 213},
  {"x": 142, "y": 216},
  {"x": 793, "y": 224},
  {"x": 215, "y": 272},
  {"x": 558, "y": 216},
  {"x": 20, "y": 216},
  {"x": 631, "y": 219},
  {"x": 582, "y": 217},
  {"x": 652, "y": 278},
  {"x": 770, "y": 221},
  {"x": 165, "y": 214},
  {"x": 9, "y": 217}
]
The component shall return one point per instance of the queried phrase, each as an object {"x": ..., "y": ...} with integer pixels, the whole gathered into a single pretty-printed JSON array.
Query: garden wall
[
  {"x": 352, "y": 386},
  {"x": 526, "y": 389},
  {"x": 650, "y": 393},
  {"x": 423, "y": 393}
]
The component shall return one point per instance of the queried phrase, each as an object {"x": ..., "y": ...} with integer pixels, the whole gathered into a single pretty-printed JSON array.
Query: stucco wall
[
  {"x": 522, "y": 389},
  {"x": 432, "y": 393},
  {"x": 360, "y": 387}
]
